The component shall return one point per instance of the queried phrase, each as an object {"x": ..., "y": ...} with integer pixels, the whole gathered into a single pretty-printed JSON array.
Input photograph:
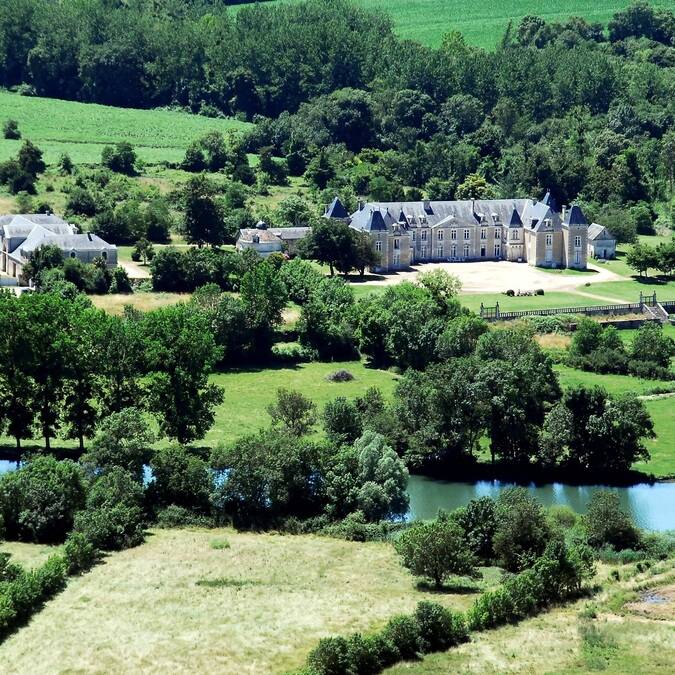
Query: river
[{"x": 651, "y": 506}]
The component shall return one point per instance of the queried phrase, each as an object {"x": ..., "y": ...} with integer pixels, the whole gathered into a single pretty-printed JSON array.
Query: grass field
[
  {"x": 249, "y": 392},
  {"x": 483, "y": 21},
  {"x": 630, "y": 634},
  {"x": 115, "y": 304},
  {"x": 268, "y": 600},
  {"x": 662, "y": 448},
  {"x": 82, "y": 129}
]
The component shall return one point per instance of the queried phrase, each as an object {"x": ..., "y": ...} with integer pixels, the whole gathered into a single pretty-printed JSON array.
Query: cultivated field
[
  {"x": 483, "y": 22},
  {"x": 82, "y": 129},
  {"x": 183, "y": 601}
]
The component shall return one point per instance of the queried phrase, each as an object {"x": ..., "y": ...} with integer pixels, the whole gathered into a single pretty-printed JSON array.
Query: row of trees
[
  {"x": 66, "y": 364},
  {"x": 643, "y": 257}
]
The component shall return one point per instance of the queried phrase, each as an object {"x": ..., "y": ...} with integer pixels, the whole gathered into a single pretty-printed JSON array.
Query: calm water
[{"x": 652, "y": 506}]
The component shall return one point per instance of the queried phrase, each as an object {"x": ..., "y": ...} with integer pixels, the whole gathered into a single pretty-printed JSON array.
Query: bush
[
  {"x": 607, "y": 524},
  {"x": 510, "y": 293},
  {"x": 181, "y": 478},
  {"x": 10, "y": 130},
  {"x": 340, "y": 376},
  {"x": 440, "y": 628},
  {"x": 79, "y": 553},
  {"x": 367, "y": 655},
  {"x": 436, "y": 551},
  {"x": 39, "y": 500},
  {"x": 539, "y": 291},
  {"x": 563, "y": 516},
  {"x": 404, "y": 634},
  {"x": 342, "y": 421},
  {"x": 113, "y": 519},
  {"x": 330, "y": 657},
  {"x": 177, "y": 516}
]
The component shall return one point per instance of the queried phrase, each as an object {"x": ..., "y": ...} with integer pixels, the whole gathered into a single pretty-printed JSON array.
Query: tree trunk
[
  {"x": 47, "y": 445},
  {"x": 81, "y": 438},
  {"x": 18, "y": 443}
]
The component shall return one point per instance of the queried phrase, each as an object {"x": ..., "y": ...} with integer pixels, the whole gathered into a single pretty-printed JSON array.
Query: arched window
[{"x": 73, "y": 254}]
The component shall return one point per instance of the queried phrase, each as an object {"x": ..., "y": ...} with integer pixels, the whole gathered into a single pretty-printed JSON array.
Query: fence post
[
  {"x": 497, "y": 309},
  {"x": 481, "y": 310}
]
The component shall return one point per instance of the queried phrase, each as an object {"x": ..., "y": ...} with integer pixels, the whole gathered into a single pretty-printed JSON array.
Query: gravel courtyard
[{"x": 499, "y": 276}]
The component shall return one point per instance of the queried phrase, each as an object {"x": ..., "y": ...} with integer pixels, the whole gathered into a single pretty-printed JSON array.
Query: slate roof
[
  {"x": 290, "y": 233},
  {"x": 598, "y": 232},
  {"x": 380, "y": 215},
  {"x": 539, "y": 216},
  {"x": 21, "y": 225},
  {"x": 515, "y": 220},
  {"x": 336, "y": 210},
  {"x": 66, "y": 242},
  {"x": 575, "y": 216},
  {"x": 247, "y": 234}
]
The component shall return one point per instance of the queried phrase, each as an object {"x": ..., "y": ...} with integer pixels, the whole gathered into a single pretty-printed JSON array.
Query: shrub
[
  {"x": 10, "y": 130},
  {"x": 479, "y": 521},
  {"x": 436, "y": 551},
  {"x": 510, "y": 293},
  {"x": 366, "y": 655},
  {"x": 404, "y": 634},
  {"x": 563, "y": 516},
  {"x": 522, "y": 530},
  {"x": 491, "y": 609},
  {"x": 340, "y": 376},
  {"x": 440, "y": 628},
  {"x": 113, "y": 519},
  {"x": 181, "y": 478},
  {"x": 607, "y": 524},
  {"x": 342, "y": 421},
  {"x": 539, "y": 291},
  {"x": 330, "y": 657},
  {"x": 177, "y": 516},
  {"x": 39, "y": 500},
  {"x": 79, "y": 553}
]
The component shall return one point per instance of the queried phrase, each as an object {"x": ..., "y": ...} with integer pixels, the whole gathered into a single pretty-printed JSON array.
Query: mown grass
[
  {"x": 483, "y": 23},
  {"x": 82, "y": 129},
  {"x": 28, "y": 555},
  {"x": 176, "y": 603},
  {"x": 614, "y": 384},
  {"x": 661, "y": 448},
  {"x": 115, "y": 304},
  {"x": 514, "y": 304},
  {"x": 249, "y": 392}
]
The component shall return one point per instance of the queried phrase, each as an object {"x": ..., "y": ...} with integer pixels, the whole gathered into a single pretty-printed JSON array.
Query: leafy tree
[
  {"x": 122, "y": 441},
  {"x": 320, "y": 170},
  {"x": 203, "y": 219},
  {"x": 300, "y": 278},
  {"x": 479, "y": 522},
  {"x": 342, "y": 421},
  {"x": 113, "y": 515},
  {"x": 180, "y": 352},
  {"x": 331, "y": 243},
  {"x": 293, "y": 412},
  {"x": 598, "y": 433},
  {"x": 522, "y": 530},
  {"x": 460, "y": 337},
  {"x": 121, "y": 158},
  {"x": 436, "y": 550},
  {"x": 269, "y": 475},
  {"x": 607, "y": 524},
  {"x": 144, "y": 250},
  {"x": 651, "y": 345},
  {"x": 43, "y": 258},
  {"x": 474, "y": 187},
  {"x": 642, "y": 257},
  {"x": 10, "y": 130},
  {"x": 39, "y": 500},
  {"x": 30, "y": 159},
  {"x": 369, "y": 477},
  {"x": 180, "y": 477},
  {"x": 66, "y": 166}
]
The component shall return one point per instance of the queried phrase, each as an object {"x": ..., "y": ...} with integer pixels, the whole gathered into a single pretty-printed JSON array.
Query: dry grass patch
[
  {"x": 177, "y": 603},
  {"x": 145, "y": 302},
  {"x": 28, "y": 555},
  {"x": 553, "y": 340}
]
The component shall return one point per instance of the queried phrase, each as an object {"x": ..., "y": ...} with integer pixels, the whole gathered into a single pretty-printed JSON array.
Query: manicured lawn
[
  {"x": 483, "y": 23},
  {"x": 629, "y": 290},
  {"x": 275, "y": 597},
  {"x": 249, "y": 392},
  {"x": 662, "y": 448},
  {"x": 514, "y": 304},
  {"x": 82, "y": 129},
  {"x": 614, "y": 384}
]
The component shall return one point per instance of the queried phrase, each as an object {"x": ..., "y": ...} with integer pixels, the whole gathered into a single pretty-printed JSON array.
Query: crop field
[
  {"x": 483, "y": 22},
  {"x": 220, "y": 601},
  {"x": 82, "y": 129}
]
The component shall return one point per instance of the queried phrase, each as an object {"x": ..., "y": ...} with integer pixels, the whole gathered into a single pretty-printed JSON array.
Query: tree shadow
[{"x": 456, "y": 587}]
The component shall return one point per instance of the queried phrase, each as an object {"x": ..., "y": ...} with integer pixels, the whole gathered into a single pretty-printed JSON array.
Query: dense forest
[{"x": 583, "y": 109}]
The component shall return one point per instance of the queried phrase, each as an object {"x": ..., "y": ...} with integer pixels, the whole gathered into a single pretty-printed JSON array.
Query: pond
[{"x": 651, "y": 506}]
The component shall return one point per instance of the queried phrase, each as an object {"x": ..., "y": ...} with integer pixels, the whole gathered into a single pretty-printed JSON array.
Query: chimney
[
  {"x": 361, "y": 204},
  {"x": 564, "y": 211}
]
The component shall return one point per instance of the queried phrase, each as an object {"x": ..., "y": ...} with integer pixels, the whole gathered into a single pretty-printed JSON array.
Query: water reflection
[{"x": 652, "y": 506}]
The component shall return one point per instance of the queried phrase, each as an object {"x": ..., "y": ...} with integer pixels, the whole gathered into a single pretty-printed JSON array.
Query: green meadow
[
  {"x": 483, "y": 22},
  {"x": 82, "y": 129}
]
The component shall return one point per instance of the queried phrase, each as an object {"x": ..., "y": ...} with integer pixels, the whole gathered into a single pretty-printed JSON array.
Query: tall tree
[{"x": 203, "y": 221}]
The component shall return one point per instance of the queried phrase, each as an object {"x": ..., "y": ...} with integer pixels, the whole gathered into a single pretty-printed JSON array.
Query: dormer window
[{"x": 73, "y": 254}]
